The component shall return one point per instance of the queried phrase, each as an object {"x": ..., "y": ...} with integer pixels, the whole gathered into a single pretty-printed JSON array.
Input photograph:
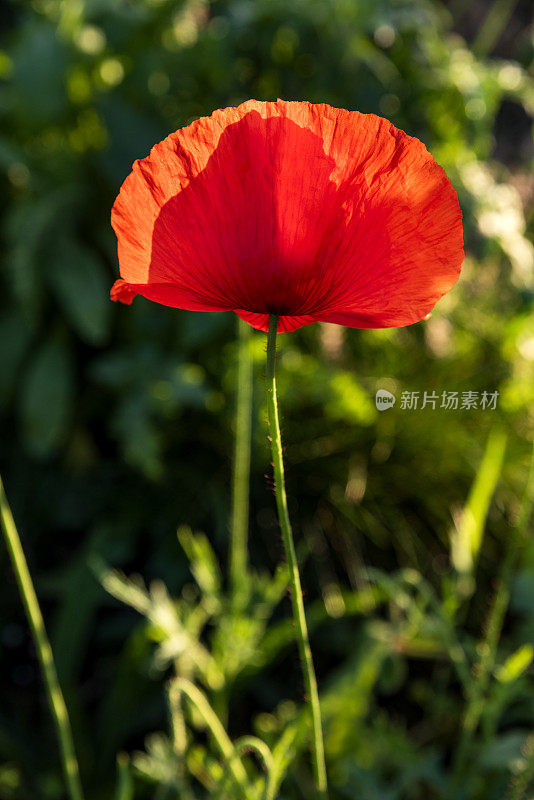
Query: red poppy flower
[{"x": 304, "y": 211}]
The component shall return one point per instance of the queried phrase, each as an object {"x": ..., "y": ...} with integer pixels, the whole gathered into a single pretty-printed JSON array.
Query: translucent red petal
[{"x": 305, "y": 211}]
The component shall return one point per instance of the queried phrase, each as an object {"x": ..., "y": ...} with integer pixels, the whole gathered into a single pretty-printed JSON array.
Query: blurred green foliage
[{"x": 116, "y": 423}]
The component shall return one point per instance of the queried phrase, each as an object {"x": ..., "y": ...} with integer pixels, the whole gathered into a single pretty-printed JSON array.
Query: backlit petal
[{"x": 300, "y": 210}]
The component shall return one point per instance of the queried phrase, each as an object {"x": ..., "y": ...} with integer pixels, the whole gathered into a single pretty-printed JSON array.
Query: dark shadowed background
[{"x": 116, "y": 423}]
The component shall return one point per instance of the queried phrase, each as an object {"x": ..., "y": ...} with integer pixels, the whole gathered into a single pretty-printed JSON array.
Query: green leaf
[
  {"x": 15, "y": 335},
  {"x": 348, "y": 401},
  {"x": 82, "y": 288},
  {"x": 9, "y": 781},
  {"x": 202, "y": 561},
  {"x": 46, "y": 401},
  {"x": 503, "y": 750},
  {"x": 516, "y": 664},
  {"x": 73, "y": 624},
  {"x": 285, "y": 751},
  {"x": 522, "y": 594},
  {"x": 39, "y": 95},
  {"x": 466, "y": 540}
]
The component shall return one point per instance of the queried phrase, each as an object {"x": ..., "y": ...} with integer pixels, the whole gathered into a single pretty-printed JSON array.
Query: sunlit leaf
[{"x": 516, "y": 664}]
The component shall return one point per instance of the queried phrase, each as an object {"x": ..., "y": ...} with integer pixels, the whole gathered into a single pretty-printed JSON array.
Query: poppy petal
[
  {"x": 286, "y": 324},
  {"x": 288, "y": 208},
  {"x": 167, "y": 294}
]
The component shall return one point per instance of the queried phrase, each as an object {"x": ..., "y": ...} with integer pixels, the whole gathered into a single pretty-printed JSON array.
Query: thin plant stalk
[
  {"x": 297, "y": 600},
  {"x": 488, "y": 648},
  {"x": 56, "y": 700},
  {"x": 495, "y": 22},
  {"x": 125, "y": 786},
  {"x": 254, "y": 745},
  {"x": 216, "y": 728},
  {"x": 241, "y": 467},
  {"x": 179, "y": 733}
]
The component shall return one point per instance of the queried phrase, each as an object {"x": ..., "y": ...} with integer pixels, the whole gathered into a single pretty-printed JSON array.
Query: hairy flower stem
[
  {"x": 44, "y": 651},
  {"x": 294, "y": 577},
  {"x": 241, "y": 469}
]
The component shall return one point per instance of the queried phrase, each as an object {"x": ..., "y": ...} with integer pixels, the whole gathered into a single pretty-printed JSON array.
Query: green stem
[
  {"x": 488, "y": 647},
  {"x": 258, "y": 746},
  {"x": 492, "y": 27},
  {"x": 44, "y": 651},
  {"x": 241, "y": 470},
  {"x": 294, "y": 577},
  {"x": 215, "y": 726},
  {"x": 125, "y": 786},
  {"x": 179, "y": 734}
]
